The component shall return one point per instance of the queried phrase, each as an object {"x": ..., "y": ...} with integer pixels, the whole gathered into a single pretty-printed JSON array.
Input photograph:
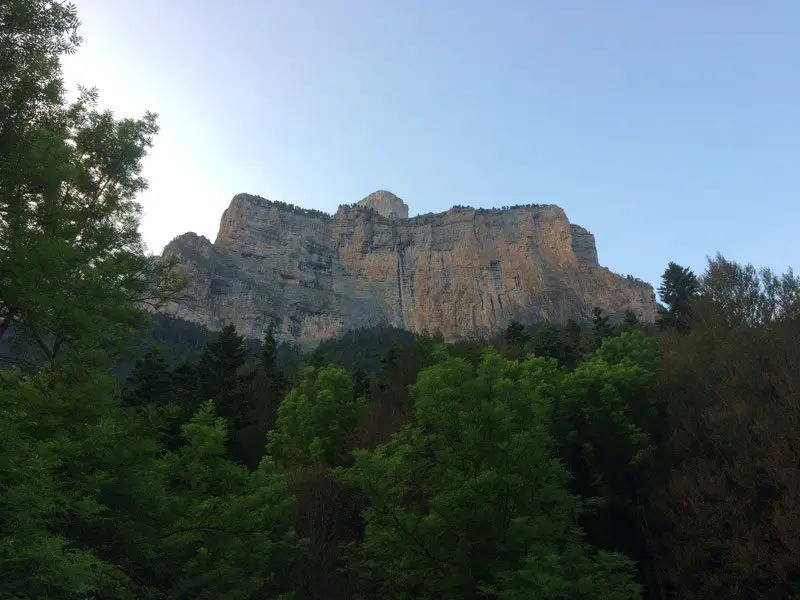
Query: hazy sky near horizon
[{"x": 671, "y": 130}]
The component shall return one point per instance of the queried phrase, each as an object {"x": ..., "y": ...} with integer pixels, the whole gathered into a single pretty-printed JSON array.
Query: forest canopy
[{"x": 147, "y": 458}]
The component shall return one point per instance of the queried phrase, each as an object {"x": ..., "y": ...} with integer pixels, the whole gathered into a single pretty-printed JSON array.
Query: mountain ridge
[{"x": 463, "y": 272}]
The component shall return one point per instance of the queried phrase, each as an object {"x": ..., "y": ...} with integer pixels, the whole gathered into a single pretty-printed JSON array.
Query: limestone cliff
[{"x": 463, "y": 272}]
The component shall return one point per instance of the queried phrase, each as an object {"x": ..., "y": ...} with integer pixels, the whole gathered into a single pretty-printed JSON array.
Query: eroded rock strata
[{"x": 463, "y": 272}]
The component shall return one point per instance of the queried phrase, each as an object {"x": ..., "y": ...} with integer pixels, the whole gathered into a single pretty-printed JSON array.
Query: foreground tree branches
[{"x": 72, "y": 264}]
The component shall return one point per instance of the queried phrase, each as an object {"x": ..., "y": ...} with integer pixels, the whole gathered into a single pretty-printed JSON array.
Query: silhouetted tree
[
  {"x": 151, "y": 381},
  {"x": 600, "y": 326},
  {"x": 572, "y": 342},
  {"x": 631, "y": 321},
  {"x": 679, "y": 288},
  {"x": 746, "y": 295},
  {"x": 515, "y": 336},
  {"x": 732, "y": 497},
  {"x": 547, "y": 343}
]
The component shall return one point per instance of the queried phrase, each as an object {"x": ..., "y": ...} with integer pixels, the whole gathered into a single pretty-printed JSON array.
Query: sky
[{"x": 670, "y": 130}]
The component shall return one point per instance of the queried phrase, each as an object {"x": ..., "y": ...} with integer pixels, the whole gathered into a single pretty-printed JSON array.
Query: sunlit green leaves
[{"x": 315, "y": 418}]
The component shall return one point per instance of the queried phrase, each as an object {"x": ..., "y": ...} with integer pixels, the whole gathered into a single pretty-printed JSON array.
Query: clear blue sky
[{"x": 670, "y": 129}]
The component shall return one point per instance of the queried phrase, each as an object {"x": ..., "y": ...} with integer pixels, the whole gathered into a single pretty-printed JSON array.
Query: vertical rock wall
[{"x": 463, "y": 272}]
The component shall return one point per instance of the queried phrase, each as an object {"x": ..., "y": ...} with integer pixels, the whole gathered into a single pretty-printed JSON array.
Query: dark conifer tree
[
  {"x": 600, "y": 326},
  {"x": 547, "y": 343},
  {"x": 631, "y": 321},
  {"x": 679, "y": 288},
  {"x": 151, "y": 381},
  {"x": 572, "y": 342},
  {"x": 515, "y": 333},
  {"x": 265, "y": 385},
  {"x": 220, "y": 377}
]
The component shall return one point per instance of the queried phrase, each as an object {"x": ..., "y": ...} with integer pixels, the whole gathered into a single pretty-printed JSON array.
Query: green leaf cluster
[
  {"x": 315, "y": 419},
  {"x": 471, "y": 500}
]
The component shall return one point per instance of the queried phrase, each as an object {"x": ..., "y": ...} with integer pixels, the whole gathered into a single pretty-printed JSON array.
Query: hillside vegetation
[{"x": 146, "y": 458}]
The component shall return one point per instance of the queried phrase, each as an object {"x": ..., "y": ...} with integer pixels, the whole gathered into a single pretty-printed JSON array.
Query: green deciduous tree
[
  {"x": 470, "y": 500},
  {"x": 609, "y": 421},
  {"x": 233, "y": 535},
  {"x": 316, "y": 418},
  {"x": 72, "y": 266},
  {"x": 92, "y": 505},
  {"x": 744, "y": 295},
  {"x": 731, "y": 500},
  {"x": 43, "y": 423}
]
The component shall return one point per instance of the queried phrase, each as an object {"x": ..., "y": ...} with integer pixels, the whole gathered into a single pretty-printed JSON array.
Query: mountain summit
[{"x": 386, "y": 204}]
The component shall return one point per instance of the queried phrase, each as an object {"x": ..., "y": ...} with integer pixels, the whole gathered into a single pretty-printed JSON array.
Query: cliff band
[{"x": 464, "y": 272}]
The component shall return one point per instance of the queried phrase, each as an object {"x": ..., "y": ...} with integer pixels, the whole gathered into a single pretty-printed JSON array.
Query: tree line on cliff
[{"x": 585, "y": 461}]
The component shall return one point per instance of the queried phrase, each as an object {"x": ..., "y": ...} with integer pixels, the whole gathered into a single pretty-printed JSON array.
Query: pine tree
[
  {"x": 547, "y": 343},
  {"x": 269, "y": 350},
  {"x": 572, "y": 342},
  {"x": 317, "y": 358},
  {"x": 219, "y": 368},
  {"x": 600, "y": 326},
  {"x": 679, "y": 289},
  {"x": 631, "y": 321},
  {"x": 151, "y": 381},
  {"x": 515, "y": 335},
  {"x": 225, "y": 354},
  {"x": 265, "y": 386}
]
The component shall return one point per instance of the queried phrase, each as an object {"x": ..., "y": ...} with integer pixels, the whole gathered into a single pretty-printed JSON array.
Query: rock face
[
  {"x": 464, "y": 272},
  {"x": 385, "y": 204}
]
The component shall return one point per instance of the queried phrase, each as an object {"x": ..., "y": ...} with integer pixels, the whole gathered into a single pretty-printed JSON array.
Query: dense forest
[{"x": 147, "y": 458}]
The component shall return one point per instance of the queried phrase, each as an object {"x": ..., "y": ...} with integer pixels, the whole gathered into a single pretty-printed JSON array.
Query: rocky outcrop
[
  {"x": 385, "y": 204},
  {"x": 464, "y": 272}
]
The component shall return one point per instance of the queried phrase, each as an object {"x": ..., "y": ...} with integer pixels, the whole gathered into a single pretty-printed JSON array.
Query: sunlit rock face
[
  {"x": 385, "y": 204},
  {"x": 464, "y": 272}
]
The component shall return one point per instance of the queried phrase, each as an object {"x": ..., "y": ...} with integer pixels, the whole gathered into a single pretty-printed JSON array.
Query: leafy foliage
[
  {"x": 461, "y": 499},
  {"x": 559, "y": 462},
  {"x": 730, "y": 500},
  {"x": 515, "y": 334},
  {"x": 92, "y": 504},
  {"x": 743, "y": 295},
  {"x": 68, "y": 178},
  {"x": 315, "y": 418}
]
